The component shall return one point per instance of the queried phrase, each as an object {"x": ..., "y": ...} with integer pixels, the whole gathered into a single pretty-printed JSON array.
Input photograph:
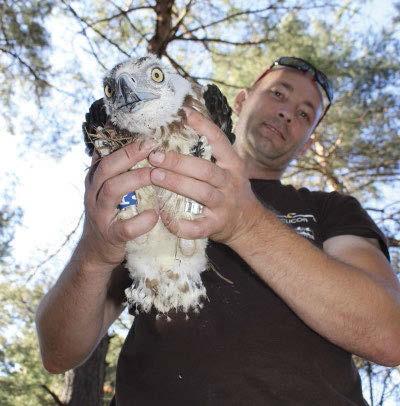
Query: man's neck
[{"x": 255, "y": 170}]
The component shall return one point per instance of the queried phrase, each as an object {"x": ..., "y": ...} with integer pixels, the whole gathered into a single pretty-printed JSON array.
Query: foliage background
[{"x": 53, "y": 54}]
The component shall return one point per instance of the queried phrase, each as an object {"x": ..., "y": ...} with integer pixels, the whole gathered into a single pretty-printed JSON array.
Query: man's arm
[
  {"x": 348, "y": 294},
  {"x": 76, "y": 313}
]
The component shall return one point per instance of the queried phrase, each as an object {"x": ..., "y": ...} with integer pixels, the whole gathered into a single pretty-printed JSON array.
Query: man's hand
[
  {"x": 222, "y": 187},
  {"x": 104, "y": 236},
  {"x": 77, "y": 311}
]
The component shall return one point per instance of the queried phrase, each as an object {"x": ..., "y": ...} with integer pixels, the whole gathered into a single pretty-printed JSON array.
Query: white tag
[{"x": 193, "y": 207}]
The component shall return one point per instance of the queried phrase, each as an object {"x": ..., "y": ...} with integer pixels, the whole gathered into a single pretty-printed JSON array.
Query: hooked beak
[{"x": 128, "y": 94}]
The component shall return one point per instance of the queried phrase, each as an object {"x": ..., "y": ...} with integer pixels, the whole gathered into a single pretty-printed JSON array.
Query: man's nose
[{"x": 285, "y": 115}]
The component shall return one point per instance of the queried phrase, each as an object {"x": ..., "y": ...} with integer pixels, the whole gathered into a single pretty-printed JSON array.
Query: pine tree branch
[
  {"x": 53, "y": 395},
  {"x": 204, "y": 44},
  {"x": 125, "y": 15},
  {"x": 393, "y": 242},
  {"x": 92, "y": 51},
  {"x": 122, "y": 13},
  {"x": 221, "y": 82},
  {"x": 332, "y": 179},
  {"x": 123, "y": 324},
  {"x": 369, "y": 373},
  {"x": 396, "y": 202},
  {"x": 22, "y": 62},
  {"x": 33, "y": 72},
  {"x": 227, "y": 18},
  {"x": 77, "y": 16},
  {"x": 178, "y": 67},
  {"x": 176, "y": 27},
  {"x": 384, "y": 385},
  {"x": 253, "y": 12},
  {"x": 186, "y": 74},
  {"x": 67, "y": 239},
  {"x": 222, "y": 41}
]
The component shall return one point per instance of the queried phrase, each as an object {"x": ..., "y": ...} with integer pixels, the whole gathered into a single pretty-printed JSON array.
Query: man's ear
[
  {"x": 239, "y": 100},
  {"x": 305, "y": 147}
]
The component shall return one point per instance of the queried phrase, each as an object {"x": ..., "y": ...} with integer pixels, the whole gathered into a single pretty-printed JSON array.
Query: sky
[
  {"x": 50, "y": 191},
  {"x": 55, "y": 187}
]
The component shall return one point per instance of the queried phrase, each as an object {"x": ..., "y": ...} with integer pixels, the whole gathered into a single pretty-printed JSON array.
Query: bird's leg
[{"x": 193, "y": 209}]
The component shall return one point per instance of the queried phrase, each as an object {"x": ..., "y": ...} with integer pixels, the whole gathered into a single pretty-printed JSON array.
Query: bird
[{"x": 144, "y": 99}]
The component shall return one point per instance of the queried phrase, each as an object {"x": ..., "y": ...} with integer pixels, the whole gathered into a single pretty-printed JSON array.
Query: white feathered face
[{"x": 143, "y": 94}]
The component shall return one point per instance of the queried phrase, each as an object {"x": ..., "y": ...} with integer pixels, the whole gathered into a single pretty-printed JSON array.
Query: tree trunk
[
  {"x": 84, "y": 385},
  {"x": 158, "y": 43}
]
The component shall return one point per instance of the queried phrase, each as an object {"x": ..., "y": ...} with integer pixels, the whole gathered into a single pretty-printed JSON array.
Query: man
[{"x": 301, "y": 277}]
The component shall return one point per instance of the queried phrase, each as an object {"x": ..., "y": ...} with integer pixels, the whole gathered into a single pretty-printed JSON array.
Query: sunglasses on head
[{"x": 304, "y": 66}]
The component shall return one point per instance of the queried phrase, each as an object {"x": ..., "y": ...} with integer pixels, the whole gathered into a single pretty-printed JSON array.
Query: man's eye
[
  {"x": 277, "y": 93},
  {"x": 303, "y": 114}
]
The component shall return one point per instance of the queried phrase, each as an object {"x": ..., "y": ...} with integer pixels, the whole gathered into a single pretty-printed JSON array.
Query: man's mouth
[{"x": 274, "y": 130}]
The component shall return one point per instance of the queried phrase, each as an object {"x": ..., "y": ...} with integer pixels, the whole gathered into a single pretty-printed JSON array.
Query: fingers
[
  {"x": 191, "y": 166},
  {"x": 113, "y": 189},
  {"x": 119, "y": 162},
  {"x": 95, "y": 157},
  {"x": 221, "y": 148},
  {"x": 121, "y": 231},
  {"x": 200, "y": 191},
  {"x": 92, "y": 169},
  {"x": 109, "y": 178},
  {"x": 189, "y": 229}
]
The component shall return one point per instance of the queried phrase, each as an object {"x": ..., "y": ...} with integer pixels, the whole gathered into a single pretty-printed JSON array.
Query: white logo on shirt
[
  {"x": 294, "y": 218},
  {"x": 305, "y": 232}
]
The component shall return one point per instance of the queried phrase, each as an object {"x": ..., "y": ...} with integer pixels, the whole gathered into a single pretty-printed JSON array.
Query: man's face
[{"x": 277, "y": 118}]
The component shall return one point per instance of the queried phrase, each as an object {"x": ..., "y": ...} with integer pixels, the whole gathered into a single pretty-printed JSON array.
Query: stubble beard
[
  {"x": 261, "y": 150},
  {"x": 265, "y": 151}
]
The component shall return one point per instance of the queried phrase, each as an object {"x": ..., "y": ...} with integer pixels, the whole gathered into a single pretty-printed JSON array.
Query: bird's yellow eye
[
  {"x": 157, "y": 75},
  {"x": 108, "y": 91}
]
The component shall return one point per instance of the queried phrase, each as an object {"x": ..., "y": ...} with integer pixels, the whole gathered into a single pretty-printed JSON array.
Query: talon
[{"x": 198, "y": 149}]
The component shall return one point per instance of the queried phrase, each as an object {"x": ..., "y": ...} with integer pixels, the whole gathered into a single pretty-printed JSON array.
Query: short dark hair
[{"x": 302, "y": 65}]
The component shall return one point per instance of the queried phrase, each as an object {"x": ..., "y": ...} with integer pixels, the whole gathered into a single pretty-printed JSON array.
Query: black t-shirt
[{"x": 246, "y": 346}]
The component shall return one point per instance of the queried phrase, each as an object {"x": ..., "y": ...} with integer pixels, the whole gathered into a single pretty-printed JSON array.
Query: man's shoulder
[
  {"x": 323, "y": 202},
  {"x": 286, "y": 194},
  {"x": 332, "y": 197}
]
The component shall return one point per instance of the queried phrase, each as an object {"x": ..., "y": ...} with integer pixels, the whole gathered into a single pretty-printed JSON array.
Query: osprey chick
[{"x": 144, "y": 100}]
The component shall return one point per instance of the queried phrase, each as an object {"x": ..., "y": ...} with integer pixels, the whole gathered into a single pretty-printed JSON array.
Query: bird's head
[{"x": 143, "y": 94}]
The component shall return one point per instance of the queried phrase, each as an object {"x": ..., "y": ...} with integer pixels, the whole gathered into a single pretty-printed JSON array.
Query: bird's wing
[
  {"x": 96, "y": 117},
  {"x": 219, "y": 110}
]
